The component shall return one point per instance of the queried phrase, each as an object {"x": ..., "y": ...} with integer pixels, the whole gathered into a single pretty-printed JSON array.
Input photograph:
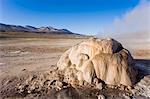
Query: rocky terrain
[{"x": 29, "y": 69}]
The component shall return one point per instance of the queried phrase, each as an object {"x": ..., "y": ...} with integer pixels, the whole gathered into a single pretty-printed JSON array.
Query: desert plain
[{"x": 31, "y": 55}]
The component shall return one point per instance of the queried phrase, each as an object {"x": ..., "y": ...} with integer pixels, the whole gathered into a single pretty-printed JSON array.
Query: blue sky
[{"x": 81, "y": 16}]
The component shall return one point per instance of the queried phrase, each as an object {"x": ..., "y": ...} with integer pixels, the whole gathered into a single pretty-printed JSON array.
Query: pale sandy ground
[{"x": 29, "y": 55}]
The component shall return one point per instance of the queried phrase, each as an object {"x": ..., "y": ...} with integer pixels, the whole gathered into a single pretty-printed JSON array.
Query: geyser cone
[{"x": 103, "y": 59}]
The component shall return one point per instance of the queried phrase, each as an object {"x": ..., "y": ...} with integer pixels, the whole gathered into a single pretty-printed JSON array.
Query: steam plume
[{"x": 134, "y": 23}]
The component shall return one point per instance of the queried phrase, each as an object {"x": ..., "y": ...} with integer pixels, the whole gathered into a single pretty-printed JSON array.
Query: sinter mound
[{"x": 98, "y": 59}]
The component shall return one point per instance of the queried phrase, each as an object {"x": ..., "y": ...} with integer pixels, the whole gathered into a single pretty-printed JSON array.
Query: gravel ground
[{"x": 25, "y": 59}]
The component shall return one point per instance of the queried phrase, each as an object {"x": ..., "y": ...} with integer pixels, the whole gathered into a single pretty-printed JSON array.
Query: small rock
[
  {"x": 129, "y": 87},
  {"x": 47, "y": 83},
  {"x": 115, "y": 87},
  {"x": 95, "y": 81},
  {"x": 122, "y": 87},
  {"x": 32, "y": 87},
  {"x": 33, "y": 77},
  {"x": 85, "y": 83},
  {"x": 100, "y": 97},
  {"x": 136, "y": 87},
  {"x": 99, "y": 86},
  {"x": 80, "y": 82},
  {"x": 29, "y": 91},
  {"x": 126, "y": 97},
  {"x": 111, "y": 86},
  {"x": 59, "y": 84},
  {"x": 133, "y": 91},
  {"x": 23, "y": 69}
]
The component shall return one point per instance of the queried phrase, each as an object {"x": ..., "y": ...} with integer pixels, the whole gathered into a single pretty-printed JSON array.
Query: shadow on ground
[{"x": 143, "y": 67}]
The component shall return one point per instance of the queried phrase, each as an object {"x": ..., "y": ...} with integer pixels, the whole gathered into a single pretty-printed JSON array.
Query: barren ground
[{"x": 25, "y": 56}]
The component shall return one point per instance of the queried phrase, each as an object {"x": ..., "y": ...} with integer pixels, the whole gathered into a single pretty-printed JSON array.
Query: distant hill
[
  {"x": 18, "y": 28},
  {"x": 17, "y": 31}
]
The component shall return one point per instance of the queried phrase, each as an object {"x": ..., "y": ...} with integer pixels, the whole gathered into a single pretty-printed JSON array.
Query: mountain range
[{"x": 27, "y": 28}]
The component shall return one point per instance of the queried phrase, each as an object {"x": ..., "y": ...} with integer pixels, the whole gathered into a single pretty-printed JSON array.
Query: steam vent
[{"x": 101, "y": 59}]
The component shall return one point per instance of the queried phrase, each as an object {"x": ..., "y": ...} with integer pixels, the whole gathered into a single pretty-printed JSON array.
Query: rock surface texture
[{"x": 104, "y": 59}]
